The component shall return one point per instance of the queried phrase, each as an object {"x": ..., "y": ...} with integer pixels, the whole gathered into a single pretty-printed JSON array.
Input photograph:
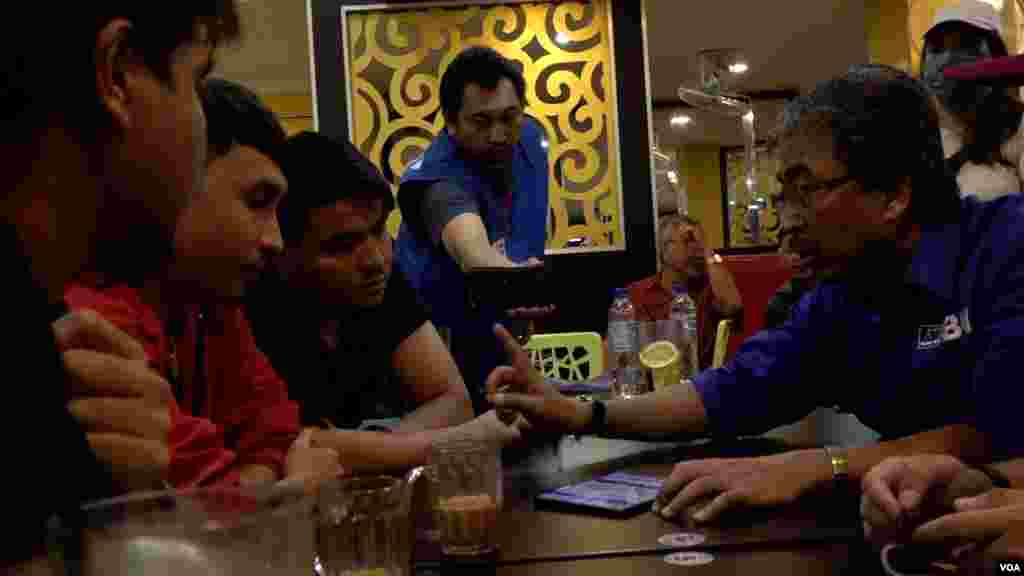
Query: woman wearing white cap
[{"x": 980, "y": 123}]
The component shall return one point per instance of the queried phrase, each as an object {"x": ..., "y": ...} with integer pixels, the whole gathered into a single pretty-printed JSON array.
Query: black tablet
[{"x": 509, "y": 288}]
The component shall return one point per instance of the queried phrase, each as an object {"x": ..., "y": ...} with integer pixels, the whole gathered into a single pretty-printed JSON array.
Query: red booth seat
[{"x": 758, "y": 276}]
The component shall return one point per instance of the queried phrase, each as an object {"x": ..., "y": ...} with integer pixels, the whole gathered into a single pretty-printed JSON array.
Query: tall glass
[
  {"x": 203, "y": 532},
  {"x": 469, "y": 495},
  {"x": 667, "y": 353},
  {"x": 363, "y": 528}
]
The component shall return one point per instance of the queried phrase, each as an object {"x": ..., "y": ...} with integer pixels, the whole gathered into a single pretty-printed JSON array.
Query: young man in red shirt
[{"x": 232, "y": 422}]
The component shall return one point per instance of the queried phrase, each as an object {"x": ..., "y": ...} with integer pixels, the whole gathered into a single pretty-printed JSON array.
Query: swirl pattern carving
[{"x": 396, "y": 57}]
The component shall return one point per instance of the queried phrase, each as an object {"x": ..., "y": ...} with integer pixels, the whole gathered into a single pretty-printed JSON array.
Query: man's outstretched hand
[{"x": 522, "y": 389}]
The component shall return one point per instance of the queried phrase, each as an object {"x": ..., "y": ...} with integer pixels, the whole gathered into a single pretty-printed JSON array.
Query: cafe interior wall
[
  {"x": 397, "y": 56},
  {"x": 700, "y": 164},
  {"x": 594, "y": 92}
]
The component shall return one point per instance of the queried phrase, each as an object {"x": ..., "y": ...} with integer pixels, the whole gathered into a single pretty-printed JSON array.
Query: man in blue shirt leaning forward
[
  {"x": 477, "y": 197},
  {"x": 914, "y": 329}
]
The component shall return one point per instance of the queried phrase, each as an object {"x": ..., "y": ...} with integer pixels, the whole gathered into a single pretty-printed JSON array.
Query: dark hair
[
  {"x": 235, "y": 116},
  {"x": 58, "y": 78},
  {"x": 322, "y": 171},
  {"x": 477, "y": 65},
  {"x": 998, "y": 116},
  {"x": 885, "y": 129}
]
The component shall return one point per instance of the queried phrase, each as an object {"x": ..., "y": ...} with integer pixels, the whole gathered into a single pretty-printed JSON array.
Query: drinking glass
[
  {"x": 659, "y": 372},
  {"x": 202, "y": 532},
  {"x": 469, "y": 495},
  {"x": 364, "y": 527}
]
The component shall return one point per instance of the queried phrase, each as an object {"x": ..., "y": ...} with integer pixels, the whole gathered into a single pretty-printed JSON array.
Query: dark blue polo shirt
[{"x": 946, "y": 347}]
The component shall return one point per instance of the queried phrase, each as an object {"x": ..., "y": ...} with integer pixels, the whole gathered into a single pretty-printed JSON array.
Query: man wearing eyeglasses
[{"x": 916, "y": 330}]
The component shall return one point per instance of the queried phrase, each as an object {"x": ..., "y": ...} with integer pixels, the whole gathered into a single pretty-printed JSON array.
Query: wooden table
[{"x": 820, "y": 536}]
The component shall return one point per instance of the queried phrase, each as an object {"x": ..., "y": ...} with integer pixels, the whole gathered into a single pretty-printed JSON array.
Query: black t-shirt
[
  {"x": 50, "y": 468},
  {"x": 353, "y": 380}
]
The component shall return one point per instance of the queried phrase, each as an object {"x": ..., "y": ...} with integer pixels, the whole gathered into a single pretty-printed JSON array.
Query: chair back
[
  {"x": 722, "y": 335},
  {"x": 568, "y": 356}
]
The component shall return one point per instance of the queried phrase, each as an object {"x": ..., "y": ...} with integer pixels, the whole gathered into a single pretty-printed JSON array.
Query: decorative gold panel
[
  {"x": 746, "y": 228},
  {"x": 396, "y": 57}
]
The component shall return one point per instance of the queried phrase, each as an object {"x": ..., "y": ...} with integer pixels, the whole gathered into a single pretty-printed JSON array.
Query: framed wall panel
[{"x": 376, "y": 69}]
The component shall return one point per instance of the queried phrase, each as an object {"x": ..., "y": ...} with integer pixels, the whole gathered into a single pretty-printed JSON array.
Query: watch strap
[{"x": 598, "y": 418}]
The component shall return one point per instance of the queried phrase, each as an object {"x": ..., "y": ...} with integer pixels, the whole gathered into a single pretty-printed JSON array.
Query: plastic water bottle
[
  {"x": 684, "y": 311},
  {"x": 623, "y": 356}
]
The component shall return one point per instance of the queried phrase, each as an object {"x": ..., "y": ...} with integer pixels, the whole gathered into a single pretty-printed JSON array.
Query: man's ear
[
  {"x": 899, "y": 203},
  {"x": 449, "y": 123},
  {"x": 114, "y": 60}
]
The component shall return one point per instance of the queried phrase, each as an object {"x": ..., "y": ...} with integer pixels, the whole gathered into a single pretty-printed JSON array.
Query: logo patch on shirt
[
  {"x": 954, "y": 326},
  {"x": 929, "y": 336}
]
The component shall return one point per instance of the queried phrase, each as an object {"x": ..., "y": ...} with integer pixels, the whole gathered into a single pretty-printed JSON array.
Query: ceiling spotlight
[
  {"x": 562, "y": 38},
  {"x": 544, "y": 144},
  {"x": 738, "y": 67},
  {"x": 680, "y": 120}
]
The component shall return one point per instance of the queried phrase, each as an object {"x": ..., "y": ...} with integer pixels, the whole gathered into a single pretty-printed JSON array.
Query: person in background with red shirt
[
  {"x": 233, "y": 422},
  {"x": 686, "y": 259}
]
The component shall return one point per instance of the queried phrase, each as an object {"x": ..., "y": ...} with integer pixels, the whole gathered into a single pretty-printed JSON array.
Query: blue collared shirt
[{"x": 947, "y": 349}]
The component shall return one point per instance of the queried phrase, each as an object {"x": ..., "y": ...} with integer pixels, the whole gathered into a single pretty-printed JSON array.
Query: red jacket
[{"x": 245, "y": 416}]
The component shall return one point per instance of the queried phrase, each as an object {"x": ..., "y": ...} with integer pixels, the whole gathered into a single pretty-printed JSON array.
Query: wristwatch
[{"x": 840, "y": 465}]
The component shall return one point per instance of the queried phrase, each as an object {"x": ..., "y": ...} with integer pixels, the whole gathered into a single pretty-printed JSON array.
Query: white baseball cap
[{"x": 980, "y": 15}]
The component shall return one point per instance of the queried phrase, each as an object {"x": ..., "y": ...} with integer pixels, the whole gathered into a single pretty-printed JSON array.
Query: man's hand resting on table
[
  {"x": 983, "y": 531},
  {"x": 707, "y": 488},
  {"x": 520, "y": 388},
  {"x": 983, "y": 518},
  {"x": 901, "y": 493}
]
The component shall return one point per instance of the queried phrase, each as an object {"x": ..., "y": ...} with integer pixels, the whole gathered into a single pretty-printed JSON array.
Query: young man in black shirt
[
  {"x": 105, "y": 144},
  {"x": 344, "y": 329}
]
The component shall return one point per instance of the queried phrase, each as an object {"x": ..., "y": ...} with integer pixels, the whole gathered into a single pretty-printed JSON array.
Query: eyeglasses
[{"x": 807, "y": 189}]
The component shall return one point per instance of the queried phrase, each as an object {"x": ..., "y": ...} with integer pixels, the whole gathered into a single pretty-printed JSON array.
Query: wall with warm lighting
[
  {"x": 701, "y": 166},
  {"x": 294, "y": 110}
]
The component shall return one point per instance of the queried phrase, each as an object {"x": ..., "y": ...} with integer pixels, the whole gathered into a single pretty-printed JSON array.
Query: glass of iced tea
[{"x": 469, "y": 495}]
